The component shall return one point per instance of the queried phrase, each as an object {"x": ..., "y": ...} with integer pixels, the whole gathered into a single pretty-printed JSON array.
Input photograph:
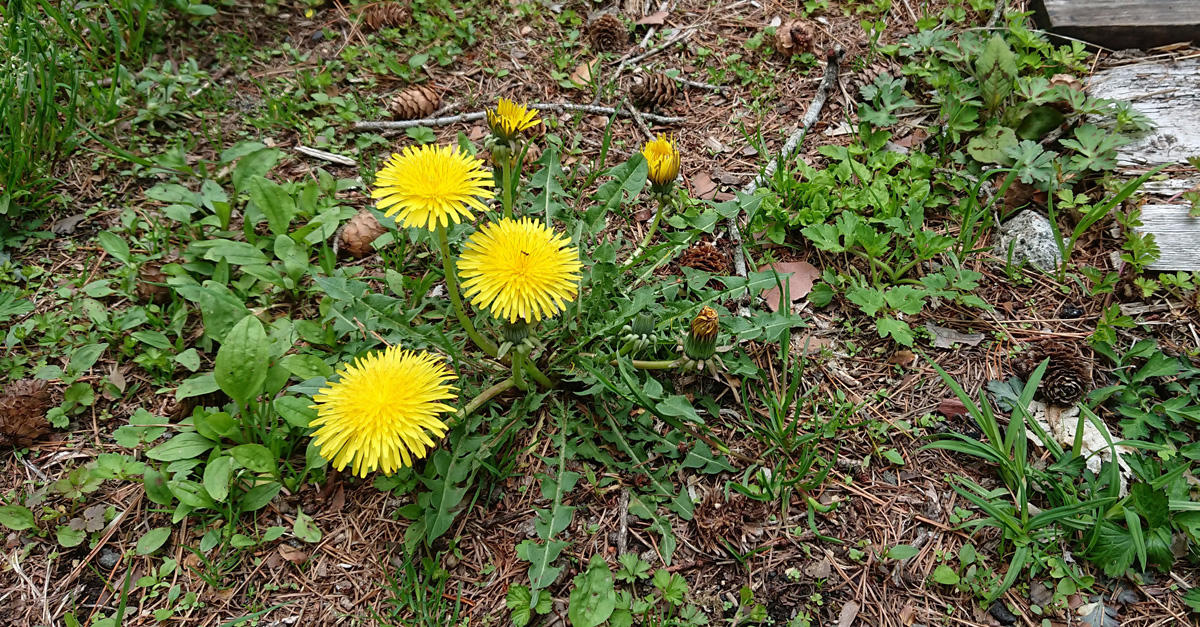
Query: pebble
[
  {"x": 1032, "y": 240},
  {"x": 108, "y": 558}
]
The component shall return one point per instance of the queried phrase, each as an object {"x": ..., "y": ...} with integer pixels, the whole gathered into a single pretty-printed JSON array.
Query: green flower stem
[
  {"x": 483, "y": 343},
  {"x": 484, "y": 397},
  {"x": 663, "y": 203},
  {"x": 506, "y": 178},
  {"x": 537, "y": 375},
  {"x": 518, "y": 370},
  {"x": 663, "y": 364}
]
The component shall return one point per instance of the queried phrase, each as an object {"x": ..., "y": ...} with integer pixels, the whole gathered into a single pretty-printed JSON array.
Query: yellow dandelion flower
[
  {"x": 381, "y": 412},
  {"x": 519, "y": 269},
  {"x": 509, "y": 118},
  {"x": 432, "y": 186},
  {"x": 663, "y": 160}
]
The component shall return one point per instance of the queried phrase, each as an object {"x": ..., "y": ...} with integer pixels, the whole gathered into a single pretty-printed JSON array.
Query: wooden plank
[
  {"x": 1168, "y": 94},
  {"x": 1177, "y": 235},
  {"x": 1118, "y": 24}
]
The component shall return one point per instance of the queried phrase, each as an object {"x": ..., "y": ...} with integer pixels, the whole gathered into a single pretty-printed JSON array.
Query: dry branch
[
  {"x": 832, "y": 68},
  {"x": 557, "y": 107}
]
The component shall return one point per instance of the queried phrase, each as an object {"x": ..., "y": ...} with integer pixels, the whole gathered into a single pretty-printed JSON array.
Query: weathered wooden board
[
  {"x": 1177, "y": 235},
  {"x": 1118, "y": 24},
  {"x": 1169, "y": 94}
]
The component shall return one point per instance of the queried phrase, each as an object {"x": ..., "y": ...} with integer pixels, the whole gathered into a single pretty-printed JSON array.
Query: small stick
[
  {"x": 998, "y": 12},
  {"x": 557, "y": 107},
  {"x": 623, "y": 527},
  {"x": 637, "y": 118},
  {"x": 832, "y": 67},
  {"x": 325, "y": 156},
  {"x": 696, "y": 84}
]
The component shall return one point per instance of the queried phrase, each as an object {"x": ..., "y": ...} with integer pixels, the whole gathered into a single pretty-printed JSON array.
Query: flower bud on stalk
[{"x": 701, "y": 342}]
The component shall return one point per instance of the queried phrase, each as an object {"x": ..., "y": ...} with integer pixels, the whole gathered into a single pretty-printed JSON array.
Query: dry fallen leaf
[
  {"x": 810, "y": 344},
  {"x": 848, "y": 614},
  {"x": 800, "y": 276},
  {"x": 952, "y": 408},
  {"x": 658, "y": 18},
  {"x": 703, "y": 185},
  {"x": 902, "y": 358},
  {"x": 583, "y": 74},
  {"x": 292, "y": 554},
  {"x": 947, "y": 338}
]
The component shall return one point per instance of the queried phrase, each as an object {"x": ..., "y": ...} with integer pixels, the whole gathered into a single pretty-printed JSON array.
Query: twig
[
  {"x": 628, "y": 61},
  {"x": 637, "y": 118},
  {"x": 832, "y": 68},
  {"x": 325, "y": 156},
  {"x": 697, "y": 84},
  {"x": 623, "y": 518},
  {"x": 558, "y": 107},
  {"x": 998, "y": 12}
]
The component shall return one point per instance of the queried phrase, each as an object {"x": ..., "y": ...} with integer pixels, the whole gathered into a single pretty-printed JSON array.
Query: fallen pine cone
[
  {"x": 152, "y": 283},
  {"x": 794, "y": 37},
  {"x": 385, "y": 15},
  {"x": 1067, "y": 377},
  {"x": 359, "y": 233},
  {"x": 706, "y": 257},
  {"x": 418, "y": 101},
  {"x": 608, "y": 34},
  {"x": 23, "y": 406},
  {"x": 655, "y": 91}
]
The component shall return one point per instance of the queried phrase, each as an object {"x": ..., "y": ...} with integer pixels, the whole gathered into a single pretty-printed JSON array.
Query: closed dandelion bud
[
  {"x": 515, "y": 331},
  {"x": 643, "y": 325},
  {"x": 701, "y": 340},
  {"x": 662, "y": 160}
]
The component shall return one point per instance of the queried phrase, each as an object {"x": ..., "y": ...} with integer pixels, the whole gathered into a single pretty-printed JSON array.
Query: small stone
[
  {"x": 1000, "y": 612},
  {"x": 108, "y": 558},
  {"x": 1032, "y": 240}
]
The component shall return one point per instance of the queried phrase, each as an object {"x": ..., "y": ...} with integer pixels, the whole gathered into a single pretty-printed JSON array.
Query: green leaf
[
  {"x": 254, "y": 457},
  {"x": 628, "y": 180},
  {"x": 305, "y": 529},
  {"x": 217, "y": 474},
  {"x": 1038, "y": 123},
  {"x": 892, "y": 455},
  {"x": 253, "y": 164},
  {"x": 114, "y": 245},
  {"x": 680, "y": 406},
  {"x": 899, "y": 330},
  {"x": 541, "y": 557},
  {"x": 297, "y": 411},
  {"x": 903, "y": 552},
  {"x": 241, "y": 365},
  {"x": 868, "y": 299},
  {"x": 69, "y": 537},
  {"x": 257, "y": 497},
  {"x": 593, "y": 598},
  {"x": 945, "y": 575},
  {"x": 187, "y": 445},
  {"x": 519, "y": 602},
  {"x": 991, "y": 145},
  {"x": 305, "y": 367},
  {"x": 153, "y": 539},
  {"x": 996, "y": 71},
  {"x": 16, "y": 517}
]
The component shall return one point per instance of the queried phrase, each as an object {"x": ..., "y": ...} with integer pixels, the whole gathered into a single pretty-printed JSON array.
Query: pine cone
[
  {"x": 23, "y": 406},
  {"x": 385, "y": 15},
  {"x": 794, "y": 37},
  {"x": 359, "y": 233},
  {"x": 655, "y": 91},
  {"x": 1067, "y": 377},
  {"x": 704, "y": 256},
  {"x": 152, "y": 283},
  {"x": 868, "y": 74},
  {"x": 608, "y": 34},
  {"x": 418, "y": 101}
]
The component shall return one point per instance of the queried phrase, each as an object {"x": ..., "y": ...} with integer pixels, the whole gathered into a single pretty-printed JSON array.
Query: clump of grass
[{"x": 39, "y": 88}]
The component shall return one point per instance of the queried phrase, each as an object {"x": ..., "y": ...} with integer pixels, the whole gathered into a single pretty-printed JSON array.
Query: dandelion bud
[
  {"x": 662, "y": 160},
  {"x": 509, "y": 119},
  {"x": 701, "y": 340}
]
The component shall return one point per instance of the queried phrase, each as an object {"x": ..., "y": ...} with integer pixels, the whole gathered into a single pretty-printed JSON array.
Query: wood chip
[{"x": 947, "y": 338}]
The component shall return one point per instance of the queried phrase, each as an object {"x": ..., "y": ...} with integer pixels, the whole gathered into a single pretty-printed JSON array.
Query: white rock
[{"x": 1032, "y": 240}]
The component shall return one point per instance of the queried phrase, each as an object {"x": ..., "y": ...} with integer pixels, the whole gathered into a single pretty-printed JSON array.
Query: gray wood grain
[
  {"x": 1118, "y": 24},
  {"x": 1177, "y": 235},
  {"x": 1168, "y": 94}
]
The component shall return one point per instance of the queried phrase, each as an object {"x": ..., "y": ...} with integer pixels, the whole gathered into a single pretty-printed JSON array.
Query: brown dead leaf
[
  {"x": 292, "y": 554},
  {"x": 477, "y": 132},
  {"x": 658, "y": 18},
  {"x": 703, "y": 185},
  {"x": 811, "y": 344},
  {"x": 947, "y": 338},
  {"x": 848, "y": 614},
  {"x": 584, "y": 72},
  {"x": 952, "y": 408},
  {"x": 902, "y": 358},
  {"x": 800, "y": 276}
]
